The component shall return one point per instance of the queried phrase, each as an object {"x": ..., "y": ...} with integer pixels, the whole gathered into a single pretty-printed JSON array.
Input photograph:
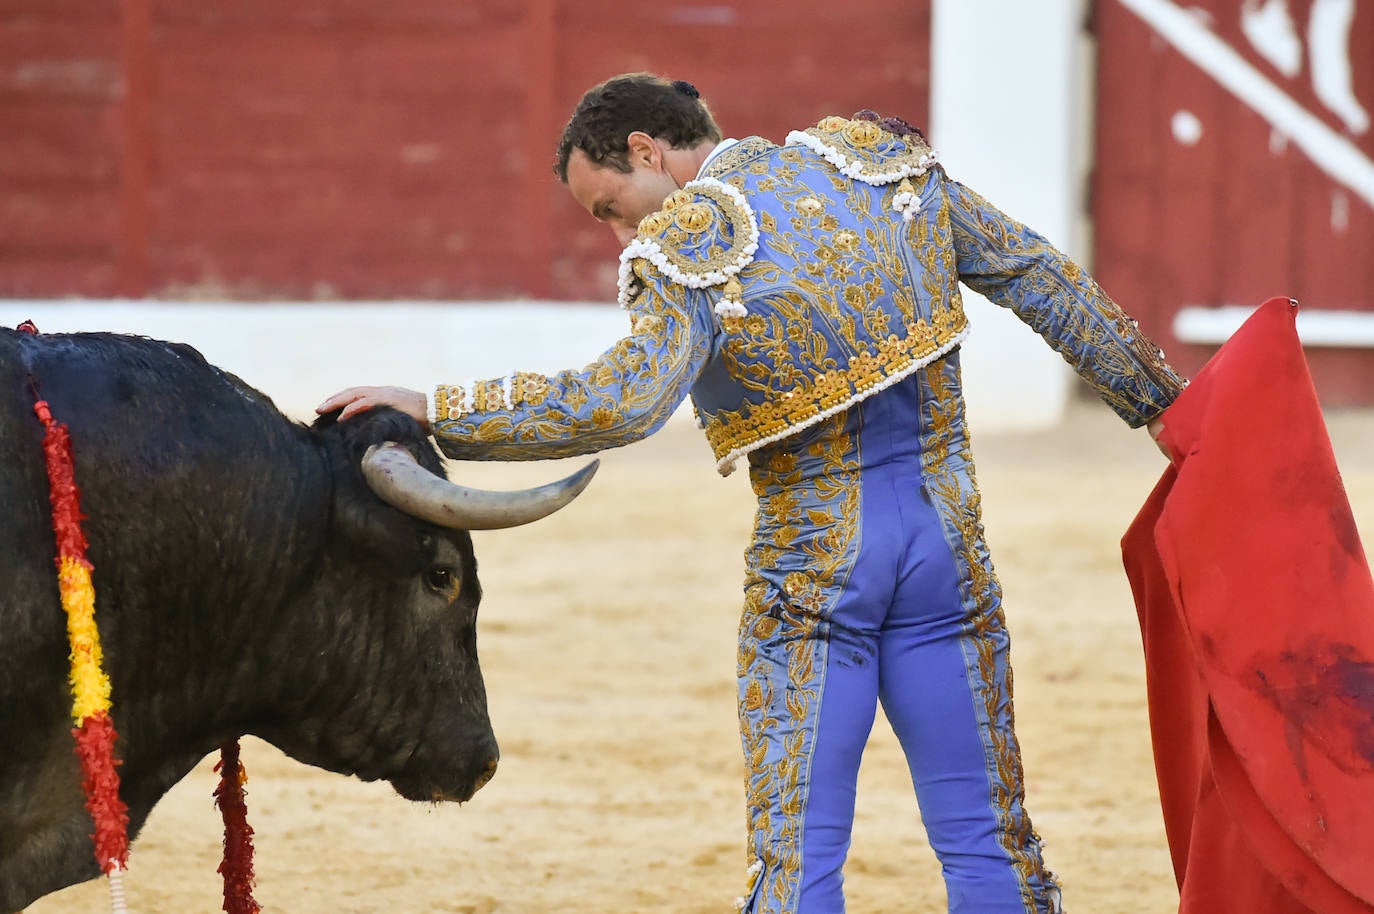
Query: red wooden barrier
[
  {"x": 1200, "y": 200},
  {"x": 347, "y": 148}
]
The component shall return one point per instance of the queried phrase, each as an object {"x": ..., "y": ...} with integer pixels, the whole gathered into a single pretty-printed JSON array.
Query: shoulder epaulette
[
  {"x": 865, "y": 152},
  {"x": 704, "y": 235}
]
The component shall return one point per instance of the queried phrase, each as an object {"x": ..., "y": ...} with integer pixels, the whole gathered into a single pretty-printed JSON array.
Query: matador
[{"x": 806, "y": 297}]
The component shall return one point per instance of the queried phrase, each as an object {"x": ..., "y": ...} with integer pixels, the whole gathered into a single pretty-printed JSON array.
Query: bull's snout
[
  {"x": 453, "y": 776},
  {"x": 487, "y": 774},
  {"x": 481, "y": 768}
]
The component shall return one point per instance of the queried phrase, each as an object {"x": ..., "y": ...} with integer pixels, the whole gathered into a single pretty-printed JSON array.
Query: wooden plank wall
[
  {"x": 348, "y": 148},
  {"x": 1241, "y": 213}
]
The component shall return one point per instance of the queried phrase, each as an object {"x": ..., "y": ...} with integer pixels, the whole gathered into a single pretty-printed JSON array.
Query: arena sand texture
[{"x": 607, "y": 637}]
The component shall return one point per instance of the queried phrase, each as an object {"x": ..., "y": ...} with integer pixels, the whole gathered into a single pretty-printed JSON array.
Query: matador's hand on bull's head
[{"x": 355, "y": 400}]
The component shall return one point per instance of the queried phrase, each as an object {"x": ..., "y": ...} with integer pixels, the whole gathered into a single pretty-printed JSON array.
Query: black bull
[{"x": 249, "y": 580}]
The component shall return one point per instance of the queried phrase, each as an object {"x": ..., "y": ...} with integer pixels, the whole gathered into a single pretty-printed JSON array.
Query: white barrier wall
[
  {"x": 1010, "y": 116},
  {"x": 299, "y": 353}
]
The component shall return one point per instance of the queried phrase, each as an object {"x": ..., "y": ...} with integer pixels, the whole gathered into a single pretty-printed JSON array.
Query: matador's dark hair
[{"x": 609, "y": 113}]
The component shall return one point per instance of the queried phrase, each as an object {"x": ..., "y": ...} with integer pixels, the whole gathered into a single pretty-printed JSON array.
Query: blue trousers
[{"x": 869, "y": 581}]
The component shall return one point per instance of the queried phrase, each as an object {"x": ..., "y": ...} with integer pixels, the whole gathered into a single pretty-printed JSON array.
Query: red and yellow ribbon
[{"x": 95, "y": 733}]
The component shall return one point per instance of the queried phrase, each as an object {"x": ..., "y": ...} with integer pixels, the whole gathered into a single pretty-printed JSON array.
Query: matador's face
[{"x": 621, "y": 199}]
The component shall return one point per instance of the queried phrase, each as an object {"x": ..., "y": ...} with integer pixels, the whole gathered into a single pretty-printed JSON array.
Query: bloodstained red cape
[{"x": 1257, "y": 612}]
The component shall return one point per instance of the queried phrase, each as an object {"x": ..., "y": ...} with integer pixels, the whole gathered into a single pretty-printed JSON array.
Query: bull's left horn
[{"x": 393, "y": 474}]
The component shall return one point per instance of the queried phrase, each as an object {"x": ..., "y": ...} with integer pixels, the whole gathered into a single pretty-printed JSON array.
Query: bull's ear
[
  {"x": 378, "y": 426},
  {"x": 372, "y": 530}
]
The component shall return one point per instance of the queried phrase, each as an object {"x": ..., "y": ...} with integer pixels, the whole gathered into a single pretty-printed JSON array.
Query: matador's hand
[
  {"x": 355, "y": 400},
  {"x": 1156, "y": 426}
]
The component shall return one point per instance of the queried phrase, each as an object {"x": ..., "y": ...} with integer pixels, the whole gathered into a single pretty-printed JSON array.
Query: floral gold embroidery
[
  {"x": 862, "y": 133},
  {"x": 530, "y": 389},
  {"x": 1019, "y": 270},
  {"x": 629, "y": 391},
  {"x": 694, "y": 217},
  {"x": 441, "y": 396},
  {"x": 654, "y": 223},
  {"x": 864, "y": 151},
  {"x": 792, "y": 584},
  {"x": 721, "y": 237},
  {"x": 732, "y": 433},
  {"x": 675, "y": 199}
]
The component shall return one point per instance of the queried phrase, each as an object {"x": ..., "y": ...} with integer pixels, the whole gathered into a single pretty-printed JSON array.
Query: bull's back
[
  {"x": 27, "y": 575},
  {"x": 170, "y": 455}
]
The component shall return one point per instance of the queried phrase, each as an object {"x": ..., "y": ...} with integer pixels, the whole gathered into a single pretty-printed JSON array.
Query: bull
[{"x": 314, "y": 586}]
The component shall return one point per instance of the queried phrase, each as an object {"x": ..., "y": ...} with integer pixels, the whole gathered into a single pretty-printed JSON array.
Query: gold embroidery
[
  {"x": 675, "y": 199},
  {"x": 694, "y": 217},
  {"x": 654, "y": 223},
  {"x": 862, "y": 133},
  {"x": 627, "y": 392},
  {"x": 738, "y": 155},
  {"x": 441, "y": 401},
  {"x": 787, "y": 608},
  {"x": 732, "y": 430},
  {"x": 872, "y": 152},
  {"x": 529, "y": 389},
  {"x": 840, "y": 314},
  {"x": 847, "y": 240},
  {"x": 492, "y": 397},
  {"x": 1020, "y": 270},
  {"x": 702, "y": 233}
]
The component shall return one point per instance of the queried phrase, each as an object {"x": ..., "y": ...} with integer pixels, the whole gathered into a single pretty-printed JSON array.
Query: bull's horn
[{"x": 392, "y": 473}]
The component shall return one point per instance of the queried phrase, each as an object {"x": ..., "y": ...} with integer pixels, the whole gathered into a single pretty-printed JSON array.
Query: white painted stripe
[
  {"x": 1341, "y": 329},
  {"x": 1333, "y": 153}
]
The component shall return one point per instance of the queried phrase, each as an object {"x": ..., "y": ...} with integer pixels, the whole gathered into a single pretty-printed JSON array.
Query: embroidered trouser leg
[
  {"x": 945, "y": 686},
  {"x": 862, "y": 586},
  {"x": 966, "y": 767}
]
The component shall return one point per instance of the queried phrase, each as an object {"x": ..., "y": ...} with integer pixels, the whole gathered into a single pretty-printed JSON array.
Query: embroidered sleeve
[
  {"x": 1018, "y": 269},
  {"x": 626, "y": 394}
]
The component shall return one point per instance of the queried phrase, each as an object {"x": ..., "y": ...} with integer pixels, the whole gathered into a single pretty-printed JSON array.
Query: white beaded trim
[
  {"x": 507, "y": 392},
  {"x": 907, "y": 203},
  {"x": 432, "y": 410},
  {"x": 726, "y": 465},
  {"x": 731, "y": 307},
  {"x": 855, "y": 169},
  {"x": 650, "y": 250},
  {"x": 755, "y": 870},
  {"x": 469, "y": 396}
]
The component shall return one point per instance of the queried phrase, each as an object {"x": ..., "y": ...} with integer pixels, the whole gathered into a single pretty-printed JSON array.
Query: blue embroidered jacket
[{"x": 789, "y": 282}]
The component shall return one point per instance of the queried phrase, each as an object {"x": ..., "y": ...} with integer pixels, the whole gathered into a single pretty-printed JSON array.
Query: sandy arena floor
[{"x": 607, "y": 638}]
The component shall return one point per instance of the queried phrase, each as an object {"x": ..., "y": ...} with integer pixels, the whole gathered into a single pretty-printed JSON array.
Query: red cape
[{"x": 1257, "y": 612}]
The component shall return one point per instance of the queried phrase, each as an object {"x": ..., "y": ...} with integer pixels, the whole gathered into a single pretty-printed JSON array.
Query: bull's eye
[{"x": 440, "y": 580}]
